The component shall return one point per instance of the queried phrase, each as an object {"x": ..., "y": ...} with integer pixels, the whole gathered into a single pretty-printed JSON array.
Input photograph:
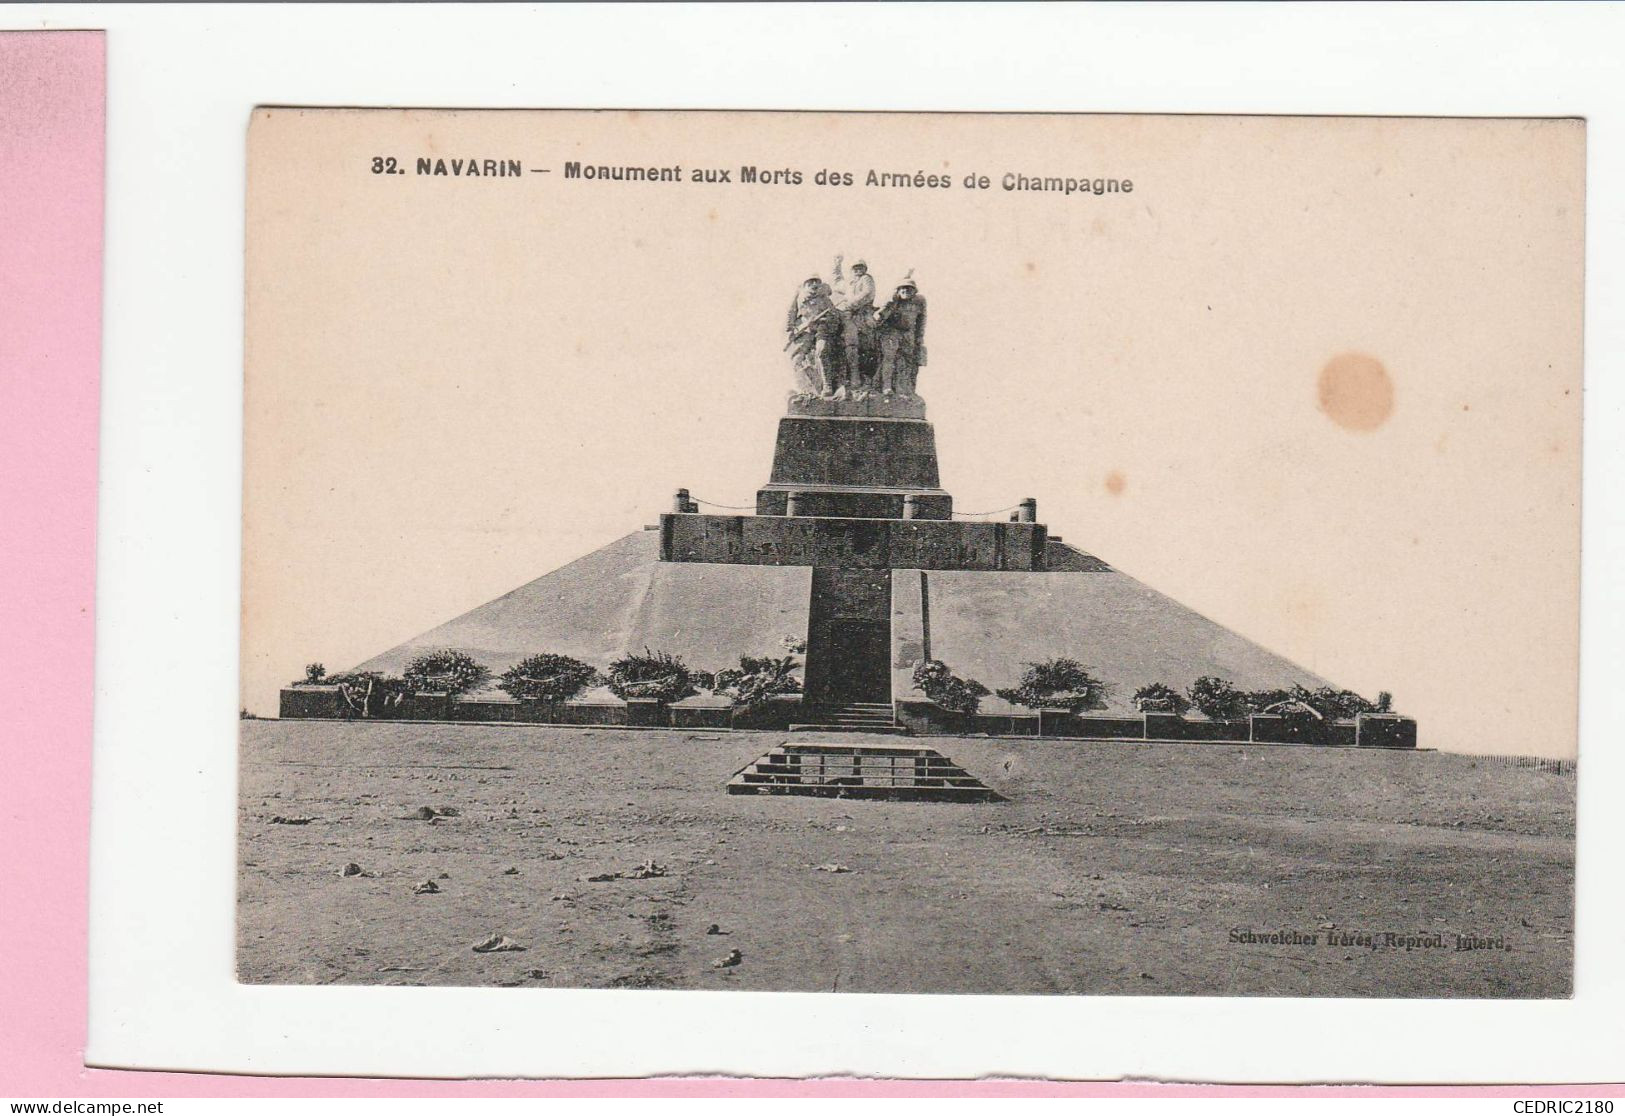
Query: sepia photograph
[{"x": 1013, "y": 554}]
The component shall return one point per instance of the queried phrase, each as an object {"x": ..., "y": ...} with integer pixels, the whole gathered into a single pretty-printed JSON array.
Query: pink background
[{"x": 52, "y": 127}]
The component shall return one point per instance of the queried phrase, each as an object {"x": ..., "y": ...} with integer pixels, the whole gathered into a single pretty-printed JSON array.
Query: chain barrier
[
  {"x": 995, "y": 511},
  {"x": 730, "y": 507}
]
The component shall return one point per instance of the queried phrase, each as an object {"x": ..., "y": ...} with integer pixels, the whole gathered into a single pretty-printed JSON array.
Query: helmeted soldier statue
[
  {"x": 901, "y": 328},
  {"x": 814, "y": 329},
  {"x": 855, "y": 299}
]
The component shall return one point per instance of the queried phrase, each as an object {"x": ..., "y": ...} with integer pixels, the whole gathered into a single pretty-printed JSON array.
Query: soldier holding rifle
[
  {"x": 814, "y": 329},
  {"x": 901, "y": 324}
]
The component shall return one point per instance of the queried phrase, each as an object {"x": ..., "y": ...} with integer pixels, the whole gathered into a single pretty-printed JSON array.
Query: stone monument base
[
  {"x": 855, "y": 452},
  {"x": 869, "y": 404}
]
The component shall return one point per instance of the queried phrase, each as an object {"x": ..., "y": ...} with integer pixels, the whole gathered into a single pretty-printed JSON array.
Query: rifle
[{"x": 806, "y": 325}]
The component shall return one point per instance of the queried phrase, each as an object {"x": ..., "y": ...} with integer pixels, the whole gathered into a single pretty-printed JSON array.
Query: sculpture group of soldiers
[{"x": 843, "y": 346}]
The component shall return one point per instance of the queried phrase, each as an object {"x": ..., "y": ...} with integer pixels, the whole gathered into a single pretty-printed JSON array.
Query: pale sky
[{"x": 456, "y": 385}]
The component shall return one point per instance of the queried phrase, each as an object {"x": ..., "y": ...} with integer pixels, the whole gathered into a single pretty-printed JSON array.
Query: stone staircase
[
  {"x": 857, "y": 717},
  {"x": 895, "y": 772}
]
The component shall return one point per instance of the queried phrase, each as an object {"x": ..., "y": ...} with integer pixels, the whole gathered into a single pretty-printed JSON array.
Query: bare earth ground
[{"x": 1113, "y": 868}]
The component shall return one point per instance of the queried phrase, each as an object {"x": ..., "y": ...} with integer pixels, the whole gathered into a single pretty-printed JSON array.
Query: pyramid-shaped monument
[{"x": 855, "y": 549}]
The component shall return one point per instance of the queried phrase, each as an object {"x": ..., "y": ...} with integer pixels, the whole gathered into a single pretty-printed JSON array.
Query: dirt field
[{"x": 1112, "y": 869}]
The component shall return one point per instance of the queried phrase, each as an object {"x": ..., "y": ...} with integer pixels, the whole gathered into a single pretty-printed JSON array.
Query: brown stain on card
[
  {"x": 1116, "y": 482},
  {"x": 1355, "y": 391}
]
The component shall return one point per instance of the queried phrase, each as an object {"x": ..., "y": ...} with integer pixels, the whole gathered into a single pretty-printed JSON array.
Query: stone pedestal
[
  {"x": 855, "y": 495},
  {"x": 854, "y": 466},
  {"x": 870, "y": 405}
]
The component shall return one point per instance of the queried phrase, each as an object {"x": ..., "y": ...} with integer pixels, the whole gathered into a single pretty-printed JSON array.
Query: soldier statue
[
  {"x": 901, "y": 327},
  {"x": 814, "y": 329},
  {"x": 855, "y": 299},
  {"x": 841, "y": 347}
]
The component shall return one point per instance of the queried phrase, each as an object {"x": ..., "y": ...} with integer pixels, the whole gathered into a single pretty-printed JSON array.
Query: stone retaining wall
[
  {"x": 1373, "y": 730},
  {"x": 1377, "y": 730}
]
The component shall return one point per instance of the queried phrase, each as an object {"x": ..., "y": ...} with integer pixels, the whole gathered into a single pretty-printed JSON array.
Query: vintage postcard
[{"x": 939, "y": 553}]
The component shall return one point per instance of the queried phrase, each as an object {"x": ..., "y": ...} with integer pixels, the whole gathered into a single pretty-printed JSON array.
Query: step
[
  {"x": 936, "y": 766},
  {"x": 847, "y": 716},
  {"x": 826, "y": 727},
  {"x": 889, "y": 794},
  {"x": 768, "y": 769},
  {"x": 900, "y": 748},
  {"x": 894, "y": 772},
  {"x": 754, "y": 779}
]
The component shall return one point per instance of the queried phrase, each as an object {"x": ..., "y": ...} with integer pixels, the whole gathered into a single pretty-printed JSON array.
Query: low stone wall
[
  {"x": 1369, "y": 731},
  {"x": 924, "y": 718},
  {"x": 1171, "y": 726},
  {"x": 1384, "y": 730},
  {"x": 420, "y": 707},
  {"x": 299, "y": 702},
  {"x": 777, "y": 713},
  {"x": 701, "y": 716},
  {"x": 325, "y": 703},
  {"x": 1060, "y": 722},
  {"x": 927, "y": 718},
  {"x": 1007, "y": 724}
]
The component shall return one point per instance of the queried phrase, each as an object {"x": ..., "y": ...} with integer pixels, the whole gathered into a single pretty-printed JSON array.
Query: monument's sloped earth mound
[
  {"x": 710, "y": 615},
  {"x": 988, "y": 625},
  {"x": 622, "y": 598}
]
